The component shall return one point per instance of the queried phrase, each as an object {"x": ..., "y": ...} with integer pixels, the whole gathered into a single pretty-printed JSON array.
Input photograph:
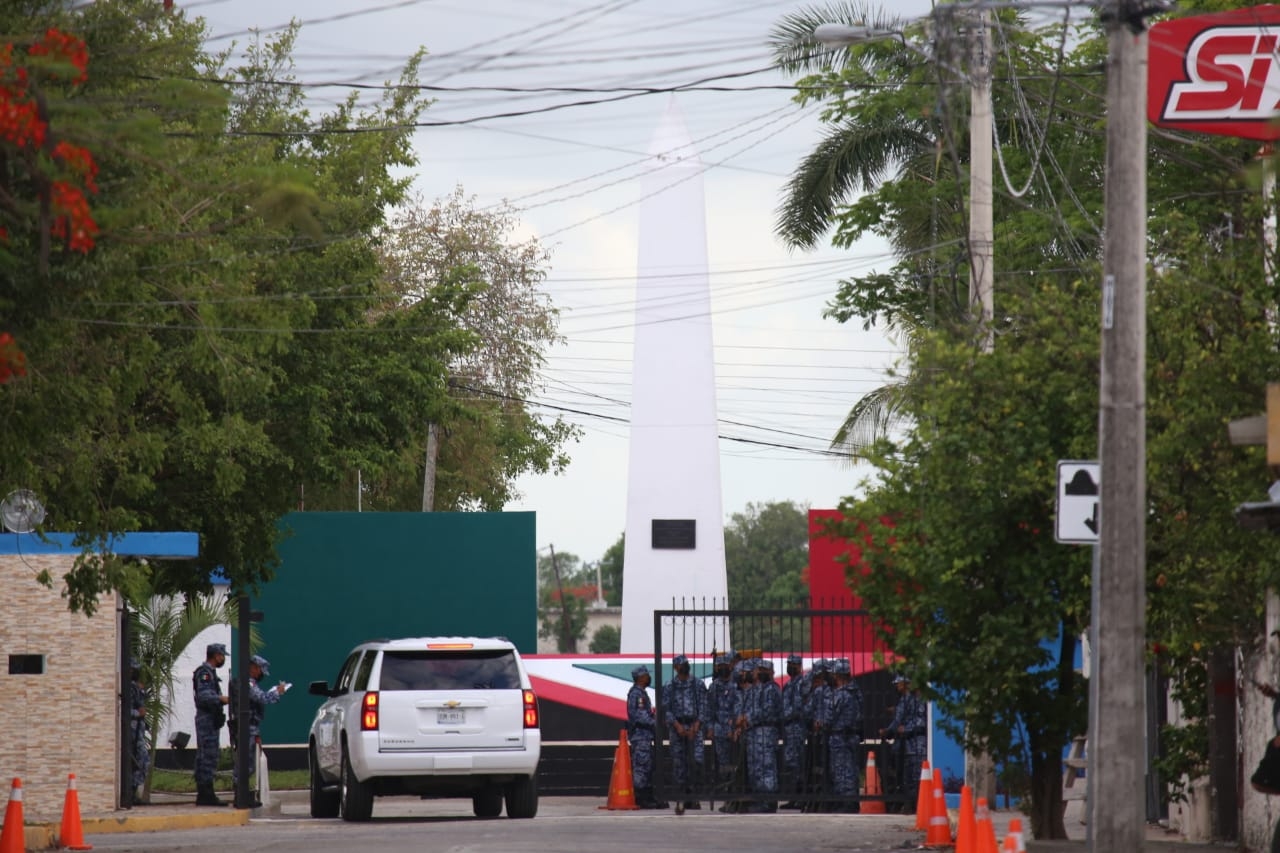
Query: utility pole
[
  {"x": 1117, "y": 759},
  {"x": 981, "y": 218},
  {"x": 979, "y": 768}
]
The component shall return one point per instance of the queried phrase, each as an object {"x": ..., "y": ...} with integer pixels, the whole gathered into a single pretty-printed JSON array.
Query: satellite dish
[{"x": 21, "y": 511}]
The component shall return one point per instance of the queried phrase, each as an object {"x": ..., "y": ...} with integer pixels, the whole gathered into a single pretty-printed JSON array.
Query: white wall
[{"x": 183, "y": 718}]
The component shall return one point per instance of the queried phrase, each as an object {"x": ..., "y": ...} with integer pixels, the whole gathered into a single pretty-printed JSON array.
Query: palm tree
[{"x": 161, "y": 629}]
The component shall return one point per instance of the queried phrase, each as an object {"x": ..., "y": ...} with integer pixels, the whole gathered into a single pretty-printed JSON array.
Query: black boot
[{"x": 205, "y": 795}]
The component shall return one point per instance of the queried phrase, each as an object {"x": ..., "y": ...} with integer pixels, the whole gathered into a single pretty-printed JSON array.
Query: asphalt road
[{"x": 565, "y": 824}]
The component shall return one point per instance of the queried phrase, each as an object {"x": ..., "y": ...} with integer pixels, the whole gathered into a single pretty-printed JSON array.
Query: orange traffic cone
[
  {"x": 622, "y": 793},
  {"x": 1010, "y": 844},
  {"x": 964, "y": 824},
  {"x": 13, "y": 837},
  {"x": 71, "y": 836},
  {"x": 924, "y": 797},
  {"x": 986, "y": 831},
  {"x": 1015, "y": 832},
  {"x": 874, "y": 789},
  {"x": 939, "y": 824}
]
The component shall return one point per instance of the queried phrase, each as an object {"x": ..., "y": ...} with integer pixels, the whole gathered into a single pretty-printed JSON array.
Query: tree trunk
[{"x": 1047, "y": 807}]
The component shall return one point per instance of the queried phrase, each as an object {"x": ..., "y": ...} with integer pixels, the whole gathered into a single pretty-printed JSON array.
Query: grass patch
[{"x": 183, "y": 781}]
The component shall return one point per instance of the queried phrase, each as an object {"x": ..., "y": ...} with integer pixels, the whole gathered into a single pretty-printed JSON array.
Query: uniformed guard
[
  {"x": 844, "y": 737},
  {"x": 641, "y": 724},
  {"x": 909, "y": 731},
  {"x": 684, "y": 704},
  {"x": 761, "y": 718},
  {"x": 139, "y": 731},
  {"x": 259, "y": 699},
  {"x": 793, "y": 729},
  {"x": 720, "y": 716},
  {"x": 210, "y": 718},
  {"x": 817, "y": 712}
]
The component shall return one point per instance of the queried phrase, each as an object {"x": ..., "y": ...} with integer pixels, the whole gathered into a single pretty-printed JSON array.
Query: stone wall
[{"x": 66, "y": 719}]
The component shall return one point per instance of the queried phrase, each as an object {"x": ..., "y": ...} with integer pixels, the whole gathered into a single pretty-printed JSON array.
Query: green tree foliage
[
  {"x": 611, "y": 572},
  {"x": 566, "y": 587},
  {"x": 970, "y": 589},
  {"x": 607, "y": 640},
  {"x": 766, "y": 554},
  {"x": 232, "y": 341}
]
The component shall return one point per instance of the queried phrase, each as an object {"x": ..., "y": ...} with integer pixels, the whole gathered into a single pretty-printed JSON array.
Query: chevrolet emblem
[{"x": 452, "y": 703}]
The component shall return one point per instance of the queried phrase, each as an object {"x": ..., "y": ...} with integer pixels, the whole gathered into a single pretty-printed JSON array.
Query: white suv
[{"x": 427, "y": 717}]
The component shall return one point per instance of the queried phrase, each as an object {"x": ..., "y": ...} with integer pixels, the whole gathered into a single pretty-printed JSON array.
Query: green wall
[{"x": 347, "y": 577}]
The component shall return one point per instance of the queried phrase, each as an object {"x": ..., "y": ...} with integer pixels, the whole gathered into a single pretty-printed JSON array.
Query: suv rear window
[{"x": 489, "y": 669}]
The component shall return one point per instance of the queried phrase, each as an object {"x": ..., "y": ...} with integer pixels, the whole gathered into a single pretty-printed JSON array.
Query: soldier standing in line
[
  {"x": 844, "y": 737},
  {"x": 817, "y": 712},
  {"x": 719, "y": 718},
  {"x": 761, "y": 718},
  {"x": 684, "y": 705},
  {"x": 641, "y": 725},
  {"x": 793, "y": 728},
  {"x": 210, "y": 718},
  {"x": 909, "y": 730}
]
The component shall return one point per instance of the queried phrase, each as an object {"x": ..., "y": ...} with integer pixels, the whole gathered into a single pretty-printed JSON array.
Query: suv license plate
[{"x": 451, "y": 717}]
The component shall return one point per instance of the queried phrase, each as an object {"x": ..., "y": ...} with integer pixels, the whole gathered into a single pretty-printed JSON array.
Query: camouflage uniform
[
  {"x": 139, "y": 728},
  {"x": 763, "y": 714},
  {"x": 794, "y": 695},
  {"x": 684, "y": 701},
  {"x": 259, "y": 699},
  {"x": 720, "y": 714},
  {"x": 909, "y": 729},
  {"x": 641, "y": 724},
  {"x": 209, "y": 720},
  {"x": 845, "y": 734},
  {"x": 817, "y": 712}
]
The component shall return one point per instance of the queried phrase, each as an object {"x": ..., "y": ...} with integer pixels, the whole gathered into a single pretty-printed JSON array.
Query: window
[
  {"x": 343, "y": 684},
  {"x": 366, "y": 667},
  {"x": 491, "y": 669}
]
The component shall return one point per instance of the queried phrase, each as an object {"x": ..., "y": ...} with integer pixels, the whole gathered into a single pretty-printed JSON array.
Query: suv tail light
[
  {"x": 530, "y": 710},
  {"x": 369, "y": 712}
]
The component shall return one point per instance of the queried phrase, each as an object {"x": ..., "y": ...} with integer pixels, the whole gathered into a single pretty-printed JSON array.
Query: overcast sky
[{"x": 785, "y": 376}]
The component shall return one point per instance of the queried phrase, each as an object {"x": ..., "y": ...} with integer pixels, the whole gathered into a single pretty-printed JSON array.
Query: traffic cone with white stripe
[
  {"x": 71, "y": 835},
  {"x": 924, "y": 797},
  {"x": 13, "y": 836},
  {"x": 939, "y": 823},
  {"x": 985, "y": 841},
  {"x": 874, "y": 788},
  {"x": 1015, "y": 834}
]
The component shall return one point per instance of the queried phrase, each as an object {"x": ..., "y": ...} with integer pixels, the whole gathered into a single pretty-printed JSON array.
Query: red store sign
[{"x": 1217, "y": 73}]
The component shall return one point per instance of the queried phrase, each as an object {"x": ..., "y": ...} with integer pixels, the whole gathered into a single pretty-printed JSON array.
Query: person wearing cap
[
  {"x": 793, "y": 729},
  {"x": 720, "y": 714},
  {"x": 844, "y": 737},
  {"x": 817, "y": 712},
  {"x": 641, "y": 725},
  {"x": 684, "y": 703},
  {"x": 259, "y": 699},
  {"x": 909, "y": 731},
  {"x": 138, "y": 730},
  {"x": 761, "y": 717},
  {"x": 210, "y": 718}
]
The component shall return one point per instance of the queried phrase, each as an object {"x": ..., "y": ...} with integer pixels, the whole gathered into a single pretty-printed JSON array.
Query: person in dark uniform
[
  {"x": 259, "y": 699},
  {"x": 684, "y": 704},
  {"x": 210, "y": 718},
  {"x": 641, "y": 724},
  {"x": 139, "y": 731},
  {"x": 909, "y": 731}
]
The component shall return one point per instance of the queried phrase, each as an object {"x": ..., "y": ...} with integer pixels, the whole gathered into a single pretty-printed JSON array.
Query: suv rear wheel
[
  {"x": 487, "y": 803},
  {"x": 325, "y": 802},
  {"x": 357, "y": 796},
  {"x": 522, "y": 797}
]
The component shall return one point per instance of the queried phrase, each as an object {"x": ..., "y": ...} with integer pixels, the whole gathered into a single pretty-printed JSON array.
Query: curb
[{"x": 44, "y": 836}]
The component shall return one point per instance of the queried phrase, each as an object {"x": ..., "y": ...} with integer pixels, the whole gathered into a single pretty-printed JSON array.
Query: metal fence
[{"x": 736, "y": 771}]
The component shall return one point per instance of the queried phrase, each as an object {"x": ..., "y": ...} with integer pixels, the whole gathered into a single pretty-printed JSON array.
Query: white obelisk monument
[{"x": 675, "y": 523}]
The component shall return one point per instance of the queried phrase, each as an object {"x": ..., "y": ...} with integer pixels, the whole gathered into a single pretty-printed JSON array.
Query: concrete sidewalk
[{"x": 179, "y": 811}]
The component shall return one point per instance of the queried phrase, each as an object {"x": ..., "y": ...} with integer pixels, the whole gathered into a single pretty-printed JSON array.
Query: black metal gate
[{"x": 735, "y": 770}]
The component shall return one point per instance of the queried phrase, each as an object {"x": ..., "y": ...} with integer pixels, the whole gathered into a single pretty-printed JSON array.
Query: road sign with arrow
[{"x": 1079, "y": 499}]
